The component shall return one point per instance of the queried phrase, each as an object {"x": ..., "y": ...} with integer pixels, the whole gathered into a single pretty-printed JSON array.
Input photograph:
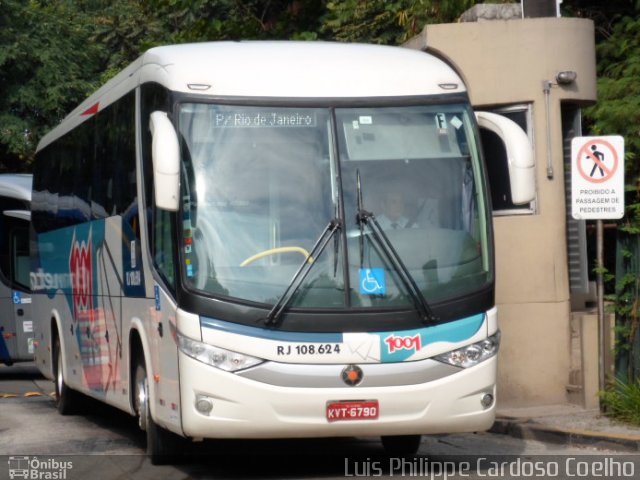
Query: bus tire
[
  {"x": 67, "y": 400},
  {"x": 162, "y": 446},
  {"x": 401, "y": 445}
]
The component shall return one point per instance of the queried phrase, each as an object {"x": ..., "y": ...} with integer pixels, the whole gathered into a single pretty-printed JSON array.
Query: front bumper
[{"x": 245, "y": 408}]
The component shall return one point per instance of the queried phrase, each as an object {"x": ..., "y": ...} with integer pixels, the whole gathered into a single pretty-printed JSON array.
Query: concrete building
[{"x": 513, "y": 65}]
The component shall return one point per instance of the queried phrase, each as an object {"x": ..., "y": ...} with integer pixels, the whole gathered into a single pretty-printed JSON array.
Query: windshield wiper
[
  {"x": 275, "y": 313},
  {"x": 365, "y": 217}
]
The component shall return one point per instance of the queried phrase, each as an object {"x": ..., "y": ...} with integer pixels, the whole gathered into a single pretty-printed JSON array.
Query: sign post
[{"x": 597, "y": 193}]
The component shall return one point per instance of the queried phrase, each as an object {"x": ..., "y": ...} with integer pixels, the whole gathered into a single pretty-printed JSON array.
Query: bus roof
[
  {"x": 275, "y": 69},
  {"x": 16, "y": 185}
]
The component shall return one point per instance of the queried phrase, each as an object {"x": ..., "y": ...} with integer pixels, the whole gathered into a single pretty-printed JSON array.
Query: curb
[{"x": 527, "y": 429}]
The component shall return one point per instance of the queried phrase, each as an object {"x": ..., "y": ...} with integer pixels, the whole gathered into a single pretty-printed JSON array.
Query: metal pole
[
  {"x": 546, "y": 88},
  {"x": 600, "y": 294}
]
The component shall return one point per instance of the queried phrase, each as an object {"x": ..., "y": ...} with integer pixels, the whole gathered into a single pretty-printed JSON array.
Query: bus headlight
[
  {"x": 473, "y": 354},
  {"x": 215, "y": 356}
]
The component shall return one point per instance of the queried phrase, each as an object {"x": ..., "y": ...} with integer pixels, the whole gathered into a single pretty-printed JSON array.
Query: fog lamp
[
  {"x": 204, "y": 404},
  {"x": 487, "y": 400}
]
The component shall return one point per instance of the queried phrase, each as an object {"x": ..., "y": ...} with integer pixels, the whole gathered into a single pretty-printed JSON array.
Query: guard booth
[{"x": 540, "y": 72}]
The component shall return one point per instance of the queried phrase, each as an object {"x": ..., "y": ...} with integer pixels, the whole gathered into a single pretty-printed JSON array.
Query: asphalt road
[{"x": 104, "y": 443}]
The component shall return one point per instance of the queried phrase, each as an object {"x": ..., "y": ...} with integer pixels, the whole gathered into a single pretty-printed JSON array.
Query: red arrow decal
[{"x": 91, "y": 110}]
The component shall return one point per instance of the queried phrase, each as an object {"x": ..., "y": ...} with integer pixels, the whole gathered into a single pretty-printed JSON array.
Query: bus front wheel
[{"x": 162, "y": 446}]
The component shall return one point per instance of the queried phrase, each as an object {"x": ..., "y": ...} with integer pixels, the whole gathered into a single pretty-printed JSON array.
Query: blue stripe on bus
[
  {"x": 457, "y": 331},
  {"x": 279, "y": 335},
  {"x": 452, "y": 332}
]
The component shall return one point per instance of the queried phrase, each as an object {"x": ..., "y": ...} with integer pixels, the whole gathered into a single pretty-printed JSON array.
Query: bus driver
[{"x": 393, "y": 213}]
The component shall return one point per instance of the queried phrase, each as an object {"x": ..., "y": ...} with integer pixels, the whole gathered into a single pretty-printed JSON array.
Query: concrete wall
[{"x": 506, "y": 62}]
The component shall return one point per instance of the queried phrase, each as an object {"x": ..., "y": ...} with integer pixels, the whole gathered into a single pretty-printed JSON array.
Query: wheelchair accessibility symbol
[{"x": 372, "y": 281}]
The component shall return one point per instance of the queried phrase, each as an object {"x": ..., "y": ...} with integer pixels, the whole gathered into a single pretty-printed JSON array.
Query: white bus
[
  {"x": 16, "y": 326},
  {"x": 211, "y": 253}
]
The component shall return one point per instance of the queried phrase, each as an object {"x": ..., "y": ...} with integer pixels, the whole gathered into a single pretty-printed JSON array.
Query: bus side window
[
  {"x": 20, "y": 256},
  {"x": 164, "y": 246},
  {"x": 14, "y": 261}
]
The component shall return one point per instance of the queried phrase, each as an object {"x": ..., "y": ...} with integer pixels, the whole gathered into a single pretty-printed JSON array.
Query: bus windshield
[{"x": 261, "y": 184}]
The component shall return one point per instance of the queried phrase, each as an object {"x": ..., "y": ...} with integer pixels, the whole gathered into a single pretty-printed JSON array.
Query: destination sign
[{"x": 264, "y": 119}]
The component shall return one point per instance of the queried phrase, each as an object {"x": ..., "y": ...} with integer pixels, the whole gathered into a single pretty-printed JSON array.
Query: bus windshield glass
[{"x": 261, "y": 184}]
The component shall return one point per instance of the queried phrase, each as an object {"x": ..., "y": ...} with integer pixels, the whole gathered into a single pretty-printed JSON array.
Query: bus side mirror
[
  {"x": 519, "y": 155},
  {"x": 165, "y": 152}
]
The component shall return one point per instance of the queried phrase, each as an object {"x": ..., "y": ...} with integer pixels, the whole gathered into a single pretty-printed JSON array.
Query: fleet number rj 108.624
[{"x": 308, "y": 349}]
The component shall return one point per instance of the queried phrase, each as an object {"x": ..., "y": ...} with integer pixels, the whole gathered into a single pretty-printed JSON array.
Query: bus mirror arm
[
  {"x": 165, "y": 152},
  {"x": 519, "y": 155}
]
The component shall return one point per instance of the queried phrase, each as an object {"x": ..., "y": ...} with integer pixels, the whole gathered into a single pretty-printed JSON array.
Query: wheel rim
[
  {"x": 141, "y": 403},
  {"x": 59, "y": 377}
]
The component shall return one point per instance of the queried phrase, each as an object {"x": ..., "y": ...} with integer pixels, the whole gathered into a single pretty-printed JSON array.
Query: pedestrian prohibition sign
[{"x": 597, "y": 177}]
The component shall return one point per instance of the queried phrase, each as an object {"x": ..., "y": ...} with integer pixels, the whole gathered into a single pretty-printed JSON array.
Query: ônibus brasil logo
[
  {"x": 40, "y": 469},
  {"x": 80, "y": 266},
  {"x": 395, "y": 343}
]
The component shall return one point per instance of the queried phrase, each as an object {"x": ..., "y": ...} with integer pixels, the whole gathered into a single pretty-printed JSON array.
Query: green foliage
[
  {"x": 123, "y": 29},
  {"x": 206, "y": 20},
  {"x": 618, "y": 112},
  {"x": 384, "y": 21},
  {"x": 618, "y": 107},
  {"x": 47, "y": 66},
  {"x": 54, "y": 53},
  {"x": 622, "y": 401}
]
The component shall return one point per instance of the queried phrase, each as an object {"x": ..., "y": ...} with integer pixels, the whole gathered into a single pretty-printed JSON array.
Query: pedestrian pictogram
[
  {"x": 597, "y": 178},
  {"x": 598, "y": 161},
  {"x": 598, "y": 157}
]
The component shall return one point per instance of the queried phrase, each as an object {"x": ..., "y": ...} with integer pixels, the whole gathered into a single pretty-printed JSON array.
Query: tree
[
  {"x": 387, "y": 22},
  {"x": 127, "y": 28},
  {"x": 54, "y": 53},
  {"x": 205, "y": 20},
  {"x": 618, "y": 112},
  {"x": 124, "y": 29},
  {"x": 47, "y": 66},
  {"x": 604, "y": 14}
]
